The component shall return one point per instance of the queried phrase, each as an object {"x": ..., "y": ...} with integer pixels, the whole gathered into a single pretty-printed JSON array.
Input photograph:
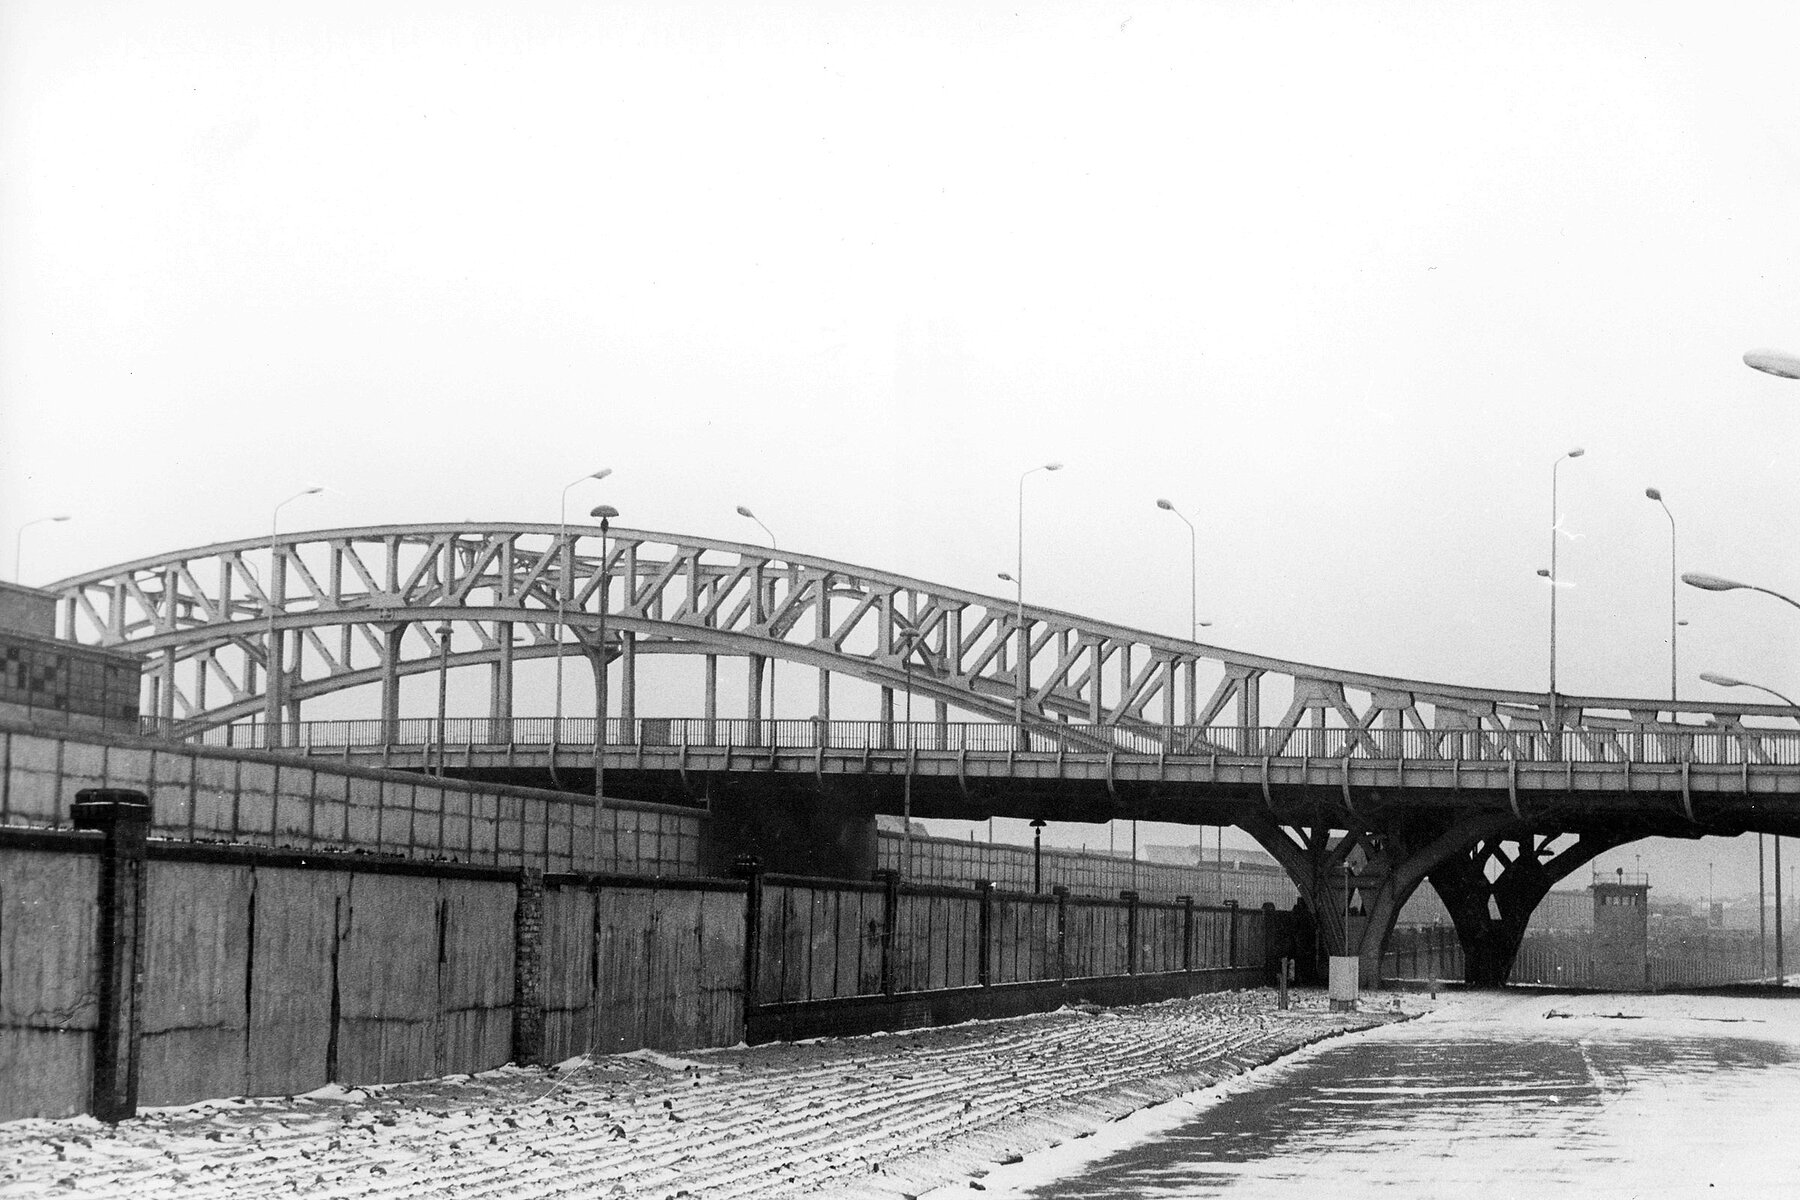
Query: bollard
[{"x": 1286, "y": 963}]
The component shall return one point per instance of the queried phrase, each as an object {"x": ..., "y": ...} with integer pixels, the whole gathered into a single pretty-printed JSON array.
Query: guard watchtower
[{"x": 1622, "y": 932}]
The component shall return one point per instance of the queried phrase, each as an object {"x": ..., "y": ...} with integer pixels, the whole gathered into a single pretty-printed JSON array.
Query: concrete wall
[
  {"x": 280, "y": 801},
  {"x": 49, "y": 971}
]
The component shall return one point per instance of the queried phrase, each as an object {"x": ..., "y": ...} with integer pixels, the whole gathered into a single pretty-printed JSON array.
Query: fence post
[
  {"x": 890, "y": 926},
  {"x": 123, "y": 816},
  {"x": 1187, "y": 931},
  {"x": 1231, "y": 933},
  {"x": 1131, "y": 930},
  {"x": 1271, "y": 943},
  {"x": 984, "y": 953},
  {"x": 528, "y": 969},
  {"x": 749, "y": 868},
  {"x": 1062, "y": 932}
]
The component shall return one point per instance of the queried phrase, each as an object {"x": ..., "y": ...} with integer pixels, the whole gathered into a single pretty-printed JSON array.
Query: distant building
[
  {"x": 1621, "y": 943},
  {"x": 47, "y": 682}
]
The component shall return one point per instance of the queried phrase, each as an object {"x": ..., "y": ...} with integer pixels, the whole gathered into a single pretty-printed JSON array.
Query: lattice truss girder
[{"x": 353, "y": 606}]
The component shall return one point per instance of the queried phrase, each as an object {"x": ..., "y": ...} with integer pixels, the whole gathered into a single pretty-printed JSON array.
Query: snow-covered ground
[
  {"x": 876, "y": 1117},
  {"x": 1489, "y": 1095}
]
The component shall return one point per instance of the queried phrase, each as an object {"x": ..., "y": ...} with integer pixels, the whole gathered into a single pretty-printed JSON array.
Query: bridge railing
[{"x": 1590, "y": 744}]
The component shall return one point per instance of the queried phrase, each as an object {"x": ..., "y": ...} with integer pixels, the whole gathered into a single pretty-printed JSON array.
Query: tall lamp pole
[
  {"x": 562, "y": 592},
  {"x": 1555, "y": 520},
  {"x": 19, "y": 544},
  {"x": 443, "y": 633},
  {"x": 742, "y": 511},
  {"x": 1657, "y": 496},
  {"x": 1022, "y": 664},
  {"x": 1193, "y": 568},
  {"x": 1728, "y": 681},
  {"x": 273, "y": 650},
  {"x": 606, "y": 513}
]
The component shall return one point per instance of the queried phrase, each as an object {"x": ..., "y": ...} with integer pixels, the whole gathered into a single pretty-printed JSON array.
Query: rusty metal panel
[
  {"x": 568, "y": 955},
  {"x": 293, "y": 949},
  {"x": 387, "y": 980},
  {"x": 196, "y": 962},
  {"x": 49, "y": 963}
]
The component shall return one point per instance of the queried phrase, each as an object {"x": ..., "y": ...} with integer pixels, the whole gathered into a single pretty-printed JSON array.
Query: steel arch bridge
[{"x": 250, "y": 631}]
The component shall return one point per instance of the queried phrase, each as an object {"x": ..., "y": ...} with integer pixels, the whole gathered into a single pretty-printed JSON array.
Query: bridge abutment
[{"x": 792, "y": 831}]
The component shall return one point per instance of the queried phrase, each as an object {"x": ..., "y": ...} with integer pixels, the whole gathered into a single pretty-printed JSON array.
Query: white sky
[{"x": 1341, "y": 279}]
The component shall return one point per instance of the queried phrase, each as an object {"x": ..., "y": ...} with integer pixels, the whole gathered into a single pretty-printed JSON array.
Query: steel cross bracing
[{"x": 355, "y": 607}]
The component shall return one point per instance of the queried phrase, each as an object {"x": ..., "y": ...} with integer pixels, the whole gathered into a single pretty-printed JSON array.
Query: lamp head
[
  {"x": 312, "y": 491},
  {"x": 1710, "y": 583},
  {"x": 1544, "y": 572},
  {"x": 1055, "y": 466},
  {"x": 1653, "y": 494},
  {"x": 1774, "y": 362},
  {"x": 605, "y": 512},
  {"x": 1721, "y": 680},
  {"x": 744, "y": 512},
  {"x": 1006, "y": 576},
  {"x": 1165, "y": 504},
  {"x": 1577, "y": 452}
]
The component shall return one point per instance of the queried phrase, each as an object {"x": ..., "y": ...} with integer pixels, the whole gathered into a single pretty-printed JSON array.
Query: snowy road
[
  {"x": 871, "y": 1117},
  {"x": 1490, "y": 1095}
]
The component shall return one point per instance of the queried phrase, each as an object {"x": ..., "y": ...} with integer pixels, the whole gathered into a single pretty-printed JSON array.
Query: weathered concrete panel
[
  {"x": 171, "y": 794},
  {"x": 196, "y": 964},
  {"x": 33, "y": 787},
  {"x": 291, "y": 978},
  {"x": 129, "y": 767},
  {"x": 475, "y": 976},
  {"x": 215, "y": 796},
  {"x": 387, "y": 980},
  {"x": 568, "y": 950},
  {"x": 49, "y": 919}
]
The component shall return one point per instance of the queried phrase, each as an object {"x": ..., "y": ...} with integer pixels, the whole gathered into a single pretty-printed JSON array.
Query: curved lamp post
[
  {"x": 1022, "y": 666},
  {"x": 743, "y": 511},
  {"x": 19, "y": 544},
  {"x": 1729, "y": 682},
  {"x": 562, "y": 592},
  {"x": 1555, "y": 519},
  {"x": 1657, "y": 496},
  {"x": 274, "y": 650},
  {"x": 1715, "y": 583},
  {"x": 1194, "y": 622},
  {"x": 606, "y": 513}
]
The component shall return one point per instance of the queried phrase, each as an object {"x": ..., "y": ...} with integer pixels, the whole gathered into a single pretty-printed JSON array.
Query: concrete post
[
  {"x": 124, "y": 818},
  {"x": 1187, "y": 931},
  {"x": 1131, "y": 930},
  {"x": 1062, "y": 931},
  {"x": 1271, "y": 944},
  {"x": 890, "y": 921},
  {"x": 984, "y": 953},
  {"x": 528, "y": 969},
  {"x": 1231, "y": 933},
  {"x": 749, "y": 869}
]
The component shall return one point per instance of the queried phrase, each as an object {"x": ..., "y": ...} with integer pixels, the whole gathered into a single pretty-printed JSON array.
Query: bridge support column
[
  {"x": 500, "y": 686},
  {"x": 390, "y": 682},
  {"x": 753, "y": 676}
]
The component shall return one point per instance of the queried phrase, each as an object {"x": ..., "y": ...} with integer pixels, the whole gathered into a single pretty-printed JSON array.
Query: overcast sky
[{"x": 1340, "y": 280}]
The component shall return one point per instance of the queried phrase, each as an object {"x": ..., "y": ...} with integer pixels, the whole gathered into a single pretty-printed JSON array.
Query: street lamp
[
  {"x": 606, "y": 513},
  {"x": 562, "y": 592},
  {"x": 443, "y": 633},
  {"x": 742, "y": 511},
  {"x": 1729, "y": 682},
  {"x": 273, "y": 650},
  {"x": 910, "y": 639},
  {"x": 1555, "y": 521},
  {"x": 19, "y": 544},
  {"x": 1658, "y": 497},
  {"x": 1194, "y": 621},
  {"x": 1022, "y": 666},
  {"x": 1714, "y": 583}
]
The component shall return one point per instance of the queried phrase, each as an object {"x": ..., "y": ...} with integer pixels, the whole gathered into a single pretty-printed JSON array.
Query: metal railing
[{"x": 1587, "y": 745}]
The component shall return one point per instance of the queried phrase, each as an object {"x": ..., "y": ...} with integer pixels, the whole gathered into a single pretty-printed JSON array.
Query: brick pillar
[
  {"x": 528, "y": 969},
  {"x": 1062, "y": 931},
  {"x": 1131, "y": 931},
  {"x": 124, "y": 818},
  {"x": 890, "y": 924},
  {"x": 1187, "y": 931},
  {"x": 984, "y": 953}
]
